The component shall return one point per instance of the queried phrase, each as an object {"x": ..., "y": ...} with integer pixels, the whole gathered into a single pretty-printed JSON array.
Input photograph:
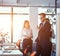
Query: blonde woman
[{"x": 27, "y": 37}]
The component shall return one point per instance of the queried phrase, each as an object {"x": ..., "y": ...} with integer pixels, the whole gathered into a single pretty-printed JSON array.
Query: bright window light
[
  {"x": 5, "y": 21},
  {"x": 18, "y": 22},
  {"x": 21, "y": 10},
  {"x": 46, "y": 10},
  {"x": 5, "y": 25},
  {"x": 5, "y": 9}
]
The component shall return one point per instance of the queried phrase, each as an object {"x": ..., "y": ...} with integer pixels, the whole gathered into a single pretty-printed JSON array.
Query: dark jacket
[{"x": 44, "y": 35}]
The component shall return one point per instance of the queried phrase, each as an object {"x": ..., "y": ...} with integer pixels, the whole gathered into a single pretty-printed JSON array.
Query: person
[
  {"x": 43, "y": 41},
  {"x": 52, "y": 30},
  {"x": 27, "y": 38}
]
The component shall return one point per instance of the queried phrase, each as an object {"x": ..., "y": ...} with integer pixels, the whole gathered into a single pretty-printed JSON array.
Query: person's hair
[
  {"x": 47, "y": 19},
  {"x": 43, "y": 14},
  {"x": 26, "y": 21}
]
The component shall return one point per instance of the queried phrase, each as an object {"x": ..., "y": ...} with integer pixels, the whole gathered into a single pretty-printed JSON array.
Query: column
[
  {"x": 58, "y": 36},
  {"x": 34, "y": 21}
]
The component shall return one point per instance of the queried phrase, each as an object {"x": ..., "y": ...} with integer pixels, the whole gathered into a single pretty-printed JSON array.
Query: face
[
  {"x": 26, "y": 25},
  {"x": 42, "y": 18}
]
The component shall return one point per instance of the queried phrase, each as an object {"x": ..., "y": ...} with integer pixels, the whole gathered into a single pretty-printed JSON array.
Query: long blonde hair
[{"x": 26, "y": 21}]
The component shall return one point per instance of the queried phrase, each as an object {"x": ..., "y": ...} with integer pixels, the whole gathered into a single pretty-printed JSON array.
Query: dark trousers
[
  {"x": 27, "y": 44},
  {"x": 44, "y": 50}
]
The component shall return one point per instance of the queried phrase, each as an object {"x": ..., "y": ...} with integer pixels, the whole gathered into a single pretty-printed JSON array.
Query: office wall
[
  {"x": 58, "y": 36},
  {"x": 34, "y": 21}
]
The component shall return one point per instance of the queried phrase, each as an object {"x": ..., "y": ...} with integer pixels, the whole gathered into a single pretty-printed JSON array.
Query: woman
[{"x": 27, "y": 38}]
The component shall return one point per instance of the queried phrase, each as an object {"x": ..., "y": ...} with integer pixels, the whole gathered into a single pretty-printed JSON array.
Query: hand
[
  {"x": 25, "y": 51},
  {"x": 33, "y": 54}
]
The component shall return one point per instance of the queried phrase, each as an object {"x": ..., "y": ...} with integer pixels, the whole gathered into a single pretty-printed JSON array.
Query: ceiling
[
  {"x": 31, "y": 2},
  {"x": 41, "y": 2}
]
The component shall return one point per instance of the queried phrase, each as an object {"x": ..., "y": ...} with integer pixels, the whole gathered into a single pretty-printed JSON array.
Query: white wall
[
  {"x": 34, "y": 21},
  {"x": 58, "y": 36}
]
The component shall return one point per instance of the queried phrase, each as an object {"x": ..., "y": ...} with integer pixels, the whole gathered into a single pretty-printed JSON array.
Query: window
[
  {"x": 46, "y": 10},
  {"x": 21, "y": 10},
  {"x": 58, "y": 10},
  {"x": 13, "y": 16},
  {"x": 20, "y": 14},
  {"x": 18, "y": 22},
  {"x": 5, "y": 21},
  {"x": 5, "y": 9}
]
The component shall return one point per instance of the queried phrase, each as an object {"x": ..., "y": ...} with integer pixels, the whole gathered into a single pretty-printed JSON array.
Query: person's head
[
  {"x": 42, "y": 17},
  {"x": 47, "y": 20},
  {"x": 26, "y": 24}
]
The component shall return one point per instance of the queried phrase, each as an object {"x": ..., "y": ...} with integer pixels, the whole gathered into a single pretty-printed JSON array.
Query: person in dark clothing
[{"x": 43, "y": 41}]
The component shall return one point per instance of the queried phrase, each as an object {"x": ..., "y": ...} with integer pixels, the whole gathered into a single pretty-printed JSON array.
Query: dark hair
[
  {"x": 47, "y": 19},
  {"x": 43, "y": 14}
]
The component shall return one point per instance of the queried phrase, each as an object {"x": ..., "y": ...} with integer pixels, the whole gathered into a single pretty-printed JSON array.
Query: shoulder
[
  {"x": 47, "y": 23},
  {"x": 40, "y": 24}
]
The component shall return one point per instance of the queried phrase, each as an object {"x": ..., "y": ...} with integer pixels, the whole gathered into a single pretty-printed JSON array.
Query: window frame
[{"x": 12, "y": 20}]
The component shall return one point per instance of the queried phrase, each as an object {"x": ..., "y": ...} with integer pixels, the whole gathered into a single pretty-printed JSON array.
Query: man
[{"x": 44, "y": 44}]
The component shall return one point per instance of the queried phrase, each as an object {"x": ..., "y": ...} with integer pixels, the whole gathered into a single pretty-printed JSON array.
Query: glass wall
[
  {"x": 13, "y": 16},
  {"x": 58, "y": 10},
  {"x": 17, "y": 16},
  {"x": 5, "y": 22},
  {"x": 20, "y": 15},
  {"x": 18, "y": 22}
]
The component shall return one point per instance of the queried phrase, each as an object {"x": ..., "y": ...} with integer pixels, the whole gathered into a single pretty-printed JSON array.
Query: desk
[
  {"x": 11, "y": 53},
  {"x": 10, "y": 49},
  {"x": 9, "y": 46}
]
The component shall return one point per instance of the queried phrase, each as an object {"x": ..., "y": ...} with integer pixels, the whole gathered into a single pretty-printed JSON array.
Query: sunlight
[
  {"x": 5, "y": 9},
  {"x": 5, "y": 24},
  {"x": 18, "y": 25}
]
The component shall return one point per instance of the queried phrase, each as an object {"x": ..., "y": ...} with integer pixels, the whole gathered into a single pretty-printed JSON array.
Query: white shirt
[{"x": 26, "y": 33}]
